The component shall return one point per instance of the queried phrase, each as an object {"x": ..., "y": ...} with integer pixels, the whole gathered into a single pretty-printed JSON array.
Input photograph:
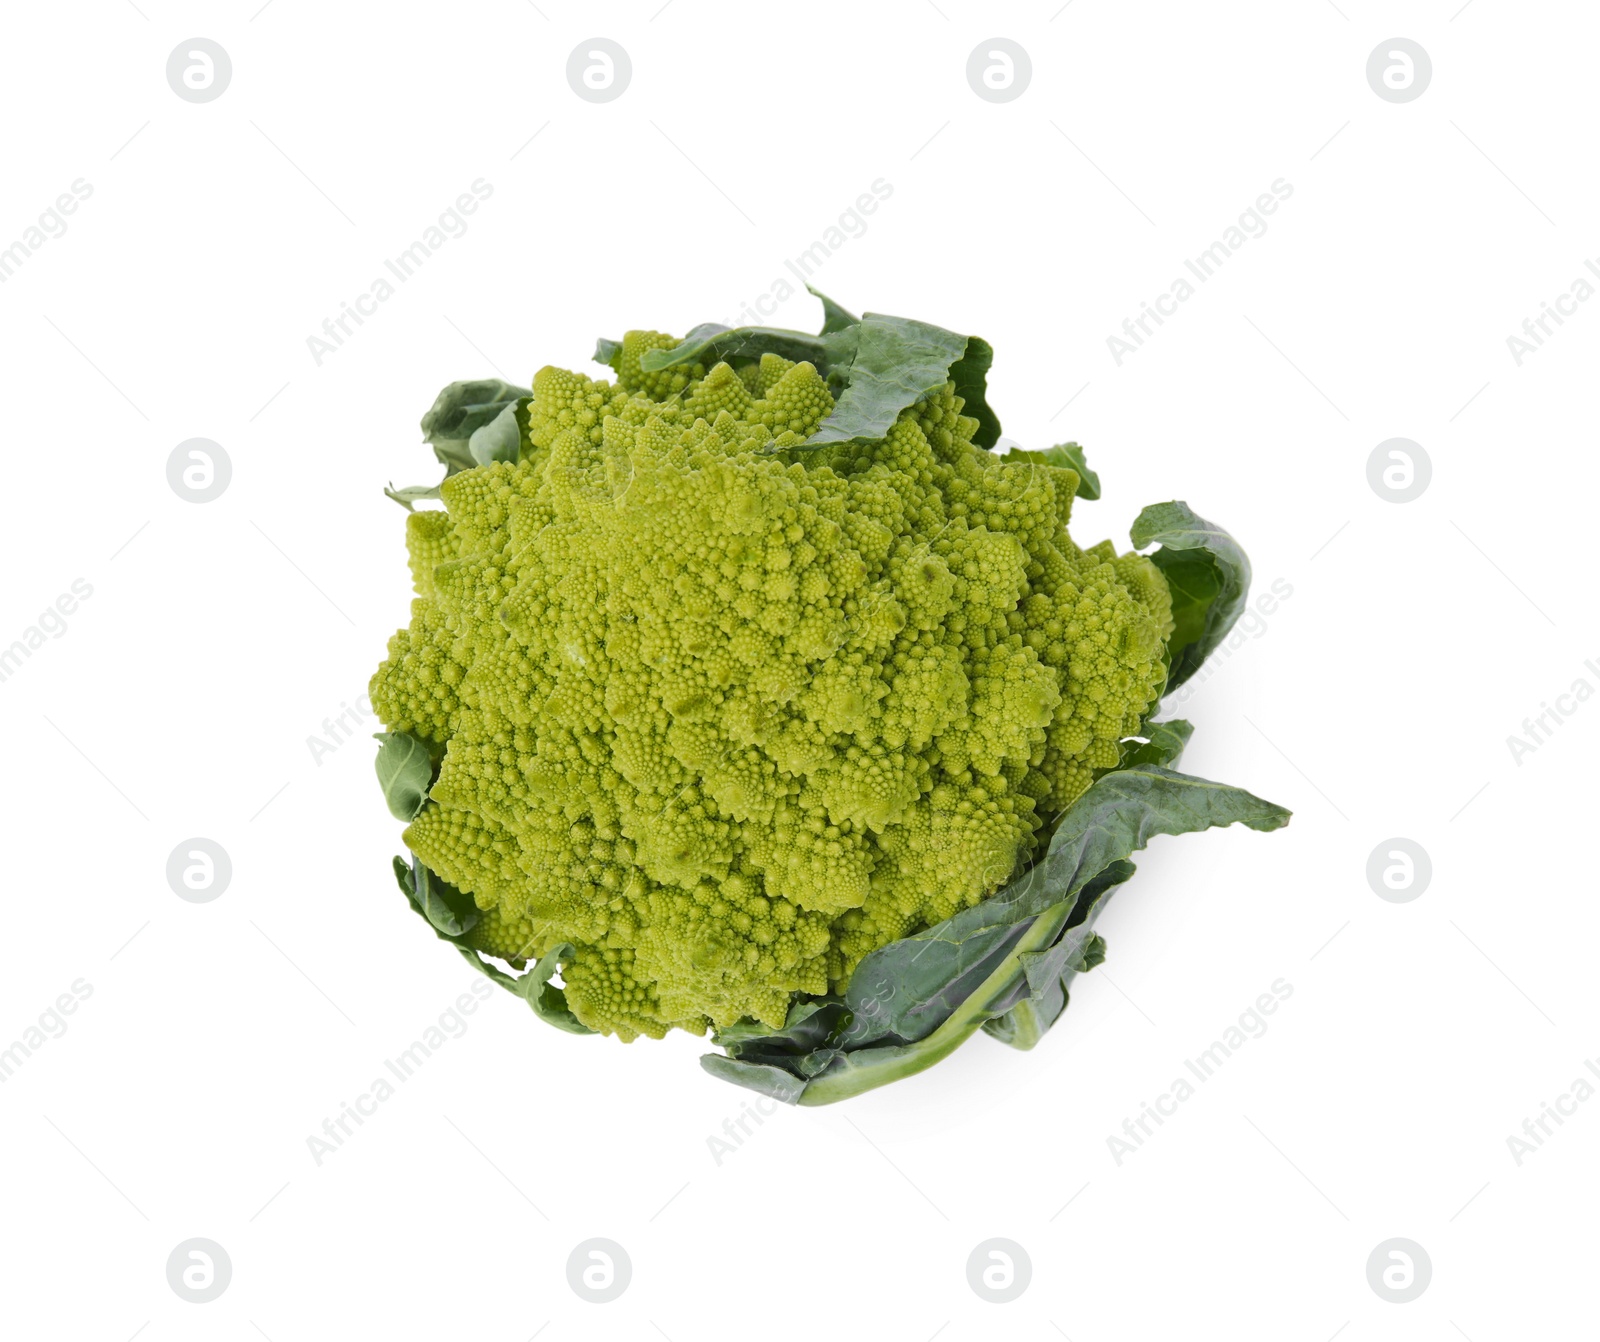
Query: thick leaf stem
[{"x": 867, "y": 1069}]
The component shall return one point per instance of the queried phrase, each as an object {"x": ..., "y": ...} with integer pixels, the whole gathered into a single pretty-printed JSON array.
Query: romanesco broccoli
[{"x": 727, "y": 713}]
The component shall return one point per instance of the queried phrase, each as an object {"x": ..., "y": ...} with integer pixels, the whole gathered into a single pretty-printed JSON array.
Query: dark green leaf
[
  {"x": 1164, "y": 742},
  {"x": 1048, "y": 974},
  {"x": 1071, "y": 456},
  {"x": 1123, "y": 810},
  {"x": 405, "y": 772},
  {"x": 524, "y": 426},
  {"x": 458, "y": 410},
  {"x": 704, "y": 331},
  {"x": 606, "y": 351},
  {"x": 762, "y": 1078},
  {"x": 834, "y": 317},
  {"x": 1097, "y": 892},
  {"x": 1208, "y": 573},
  {"x": 453, "y": 914},
  {"x": 1195, "y": 585},
  {"x": 1042, "y": 971},
  {"x": 449, "y": 912},
  {"x": 809, "y": 1025},
  {"x": 907, "y": 989},
  {"x": 1043, "y": 992},
  {"x": 839, "y": 353},
  {"x": 897, "y": 362},
  {"x": 970, "y": 373}
]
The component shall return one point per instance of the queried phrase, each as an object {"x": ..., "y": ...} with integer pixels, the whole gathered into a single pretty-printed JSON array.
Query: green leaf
[
  {"x": 405, "y": 772},
  {"x": 450, "y": 913},
  {"x": 1123, "y": 810},
  {"x": 406, "y": 497},
  {"x": 606, "y": 351},
  {"x": 913, "y": 1002},
  {"x": 1195, "y": 585},
  {"x": 1209, "y": 575},
  {"x": 524, "y": 427},
  {"x": 834, "y": 317},
  {"x": 970, "y": 373},
  {"x": 809, "y": 1024},
  {"x": 1048, "y": 974},
  {"x": 1164, "y": 742},
  {"x": 458, "y": 410},
  {"x": 849, "y": 1072},
  {"x": 897, "y": 362},
  {"x": 501, "y": 438},
  {"x": 711, "y": 343},
  {"x": 1071, "y": 456},
  {"x": 763, "y": 1078}
]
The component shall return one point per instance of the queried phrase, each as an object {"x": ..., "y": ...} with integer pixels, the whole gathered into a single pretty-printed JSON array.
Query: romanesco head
[{"x": 727, "y": 714}]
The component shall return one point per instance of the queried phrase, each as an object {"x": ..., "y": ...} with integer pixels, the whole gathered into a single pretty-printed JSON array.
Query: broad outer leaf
[
  {"x": 897, "y": 362},
  {"x": 453, "y": 914},
  {"x": 914, "y": 1001},
  {"x": 906, "y": 990},
  {"x": 970, "y": 373},
  {"x": 1209, "y": 575},
  {"x": 1048, "y": 974},
  {"x": 1043, "y": 991},
  {"x": 458, "y": 410},
  {"x": 1071, "y": 456},
  {"x": 405, "y": 772},
  {"x": 1123, "y": 810}
]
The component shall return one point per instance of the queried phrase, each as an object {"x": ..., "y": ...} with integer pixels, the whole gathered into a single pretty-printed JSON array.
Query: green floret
[{"x": 726, "y": 714}]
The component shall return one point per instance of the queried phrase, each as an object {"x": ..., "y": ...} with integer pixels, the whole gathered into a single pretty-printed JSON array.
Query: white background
[{"x": 1376, "y": 701}]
